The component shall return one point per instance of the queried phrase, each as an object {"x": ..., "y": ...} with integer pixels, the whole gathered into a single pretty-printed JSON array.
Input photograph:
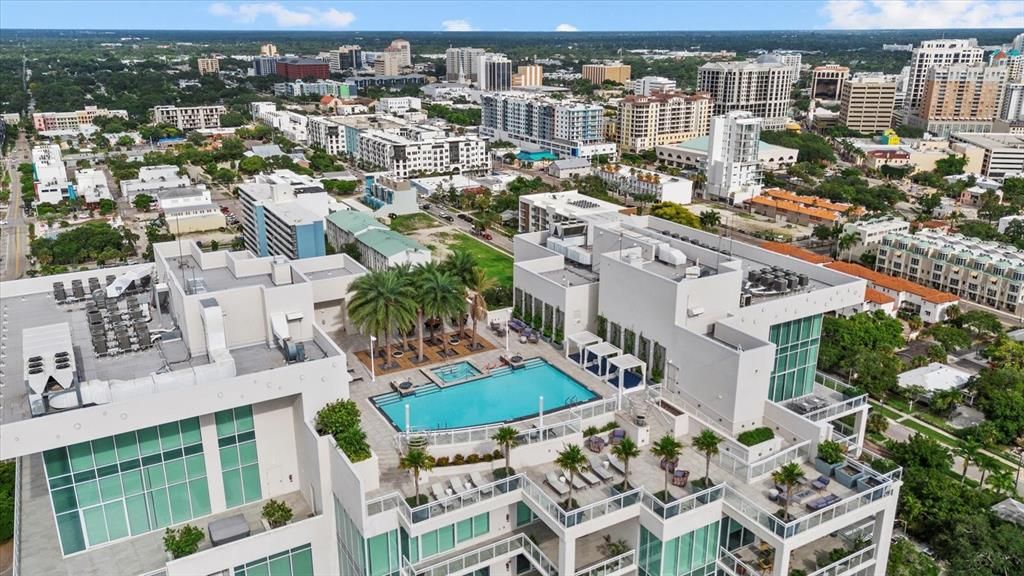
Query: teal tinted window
[
  {"x": 239, "y": 461},
  {"x": 295, "y": 562},
  {"x": 796, "y": 357}
]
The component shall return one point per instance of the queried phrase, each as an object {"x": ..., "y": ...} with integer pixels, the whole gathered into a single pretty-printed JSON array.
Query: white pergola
[
  {"x": 601, "y": 350},
  {"x": 580, "y": 341},
  {"x": 627, "y": 362}
]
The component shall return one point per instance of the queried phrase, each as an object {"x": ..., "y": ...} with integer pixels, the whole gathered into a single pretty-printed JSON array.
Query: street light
[{"x": 373, "y": 368}]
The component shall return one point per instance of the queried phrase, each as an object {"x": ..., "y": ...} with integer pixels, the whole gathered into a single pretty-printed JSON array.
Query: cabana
[
  {"x": 579, "y": 341},
  {"x": 623, "y": 363},
  {"x": 601, "y": 353}
]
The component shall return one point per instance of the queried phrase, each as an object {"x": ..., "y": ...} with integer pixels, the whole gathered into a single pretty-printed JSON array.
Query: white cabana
[
  {"x": 600, "y": 351},
  {"x": 627, "y": 362},
  {"x": 580, "y": 341}
]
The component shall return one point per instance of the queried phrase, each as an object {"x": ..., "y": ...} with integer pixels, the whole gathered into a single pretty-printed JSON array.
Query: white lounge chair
[
  {"x": 478, "y": 481},
  {"x": 578, "y": 483},
  {"x": 557, "y": 485},
  {"x": 598, "y": 467},
  {"x": 458, "y": 484},
  {"x": 589, "y": 477},
  {"x": 438, "y": 491},
  {"x": 617, "y": 464}
]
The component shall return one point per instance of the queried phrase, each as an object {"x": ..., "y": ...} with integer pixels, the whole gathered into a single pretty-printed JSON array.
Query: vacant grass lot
[
  {"x": 498, "y": 265},
  {"x": 412, "y": 222}
]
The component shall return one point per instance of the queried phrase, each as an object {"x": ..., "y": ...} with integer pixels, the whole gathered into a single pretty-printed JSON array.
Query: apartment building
[
  {"x": 279, "y": 219},
  {"x": 937, "y": 53},
  {"x": 792, "y": 59},
  {"x": 380, "y": 248},
  {"x": 114, "y": 441},
  {"x": 390, "y": 62},
  {"x": 867, "y": 103},
  {"x": 293, "y": 125},
  {"x": 268, "y": 50},
  {"x": 300, "y": 68},
  {"x": 388, "y": 196},
  {"x": 1012, "y": 109},
  {"x": 460, "y": 64},
  {"x": 189, "y": 117},
  {"x": 534, "y": 123},
  {"x": 348, "y": 57},
  {"x": 614, "y": 72},
  {"x": 1002, "y": 154},
  {"x": 960, "y": 98},
  {"x": 650, "y": 85},
  {"x": 327, "y": 134},
  {"x": 762, "y": 87},
  {"x": 46, "y": 121},
  {"x": 871, "y": 231},
  {"x": 494, "y": 72},
  {"x": 894, "y": 294},
  {"x": 528, "y": 75},
  {"x": 827, "y": 81},
  {"x": 207, "y": 66},
  {"x": 538, "y": 212},
  {"x": 986, "y": 273},
  {"x": 399, "y": 105},
  {"x": 414, "y": 153},
  {"x": 644, "y": 122},
  {"x": 264, "y": 65},
  {"x": 403, "y": 47},
  {"x": 318, "y": 88},
  {"x": 50, "y": 174},
  {"x": 648, "y": 185},
  {"x": 733, "y": 166},
  {"x": 91, "y": 185},
  {"x": 785, "y": 206}
]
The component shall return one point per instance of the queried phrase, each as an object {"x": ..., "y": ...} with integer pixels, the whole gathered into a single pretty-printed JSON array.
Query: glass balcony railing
[
  {"x": 677, "y": 507},
  {"x": 851, "y": 562},
  {"x": 442, "y": 507},
  {"x": 733, "y": 566},
  {"x": 518, "y": 544},
  {"x": 611, "y": 565}
]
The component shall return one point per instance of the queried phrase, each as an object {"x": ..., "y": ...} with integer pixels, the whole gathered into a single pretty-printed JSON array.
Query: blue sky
[{"x": 499, "y": 15}]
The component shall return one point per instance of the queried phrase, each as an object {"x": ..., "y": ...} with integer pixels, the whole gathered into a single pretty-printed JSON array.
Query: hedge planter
[
  {"x": 824, "y": 468},
  {"x": 848, "y": 475}
]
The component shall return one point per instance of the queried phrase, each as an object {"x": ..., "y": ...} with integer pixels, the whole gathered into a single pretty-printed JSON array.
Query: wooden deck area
[{"x": 432, "y": 353}]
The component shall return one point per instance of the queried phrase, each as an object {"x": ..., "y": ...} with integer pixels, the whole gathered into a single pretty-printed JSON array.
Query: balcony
[{"x": 487, "y": 554}]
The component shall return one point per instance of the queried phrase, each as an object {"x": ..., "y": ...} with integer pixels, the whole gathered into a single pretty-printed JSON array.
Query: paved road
[
  {"x": 498, "y": 240},
  {"x": 14, "y": 235}
]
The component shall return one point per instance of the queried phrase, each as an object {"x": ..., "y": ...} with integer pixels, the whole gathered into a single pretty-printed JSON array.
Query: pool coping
[{"x": 372, "y": 399}]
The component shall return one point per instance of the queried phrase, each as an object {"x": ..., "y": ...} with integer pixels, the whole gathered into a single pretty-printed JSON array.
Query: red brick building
[{"x": 300, "y": 68}]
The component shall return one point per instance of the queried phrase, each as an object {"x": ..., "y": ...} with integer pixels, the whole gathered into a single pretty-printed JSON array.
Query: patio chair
[
  {"x": 578, "y": 483},
  {"x": 617, "y": 436},
  {"x": 438, "y": 491},
  {"x": 595, "y": 443},
  {"x": 551, "y": 479},
  {"x": 458, "y": 484},
  {"x": 680, "y": 477},
  {"x": 616, "y": 464},
  {"x": 821, "y": 483},
  {"x": 598, "y": 467},
  {"x": 822, "y": 503},
  {"x": 589, "y": 477},
  {"x": 533, "y": 338}
]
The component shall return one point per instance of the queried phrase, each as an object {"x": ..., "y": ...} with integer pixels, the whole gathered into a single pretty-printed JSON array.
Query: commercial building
[
  {"x": 1012, "y": 109},
  {"x": 569, "y": 168},
  {"x": 364, "y": 82},
  {"x": 615, "y": 72},
  {"x": 870, "y": 232},
  {"x": 264, "y": 65},
  {"x": 650, "y": 85},
  {"x": 959, "y": 98},
  {"x": 208, "y": 66},
  {"x": 50, "y": 174},
  {"x": 528, "y": 75},
  {"x": 189, "y": 117},
  {"x": 46, "y": 121},
  {"x": 399, "y": 105},
  {"x": 460, "y": 64},
  {"x": 379, "y": 247},
  {"x": 762, "y": 87},
  {"x": 693, "y": 154},
  {"x": 91, "y": 185},
  {"x": 644, "y": 122},
  {"x": 728, "y": 353},
  {"x": 537, "y": 123},
  {"x": 279, "y": 219},
  {"x": 348, "y": 57},
  {"x": 152, "y": 179},
  {"x": 301, "y": 68},
  {"x": 268, "y": 50},
  {"x": 292, "y": 124},
  {"x": 631, "y": 183},
  {"x": 410, "y": 152},
  {"x": 387, "y": 196},
  {"x": 827, "y": 81},
  {"x": 403, "y": 47},
  {"x": 189, "y": 209},
  {"x": 867, "y": 103},
  {"x": 930, "y": 304},
  {"x": 390, "y": 62},
  {"x": 538, "y": 212},
  {"x": 494, "y": 72},
  {"x": 318, "y": 88},
  {"x": 733, "y": 166},
  {"x": 937, "y": 53},
  {"x": 785, "y": 206},
  {"x": 986, "y": 273},
  {"x": 1003, "y": 154}
]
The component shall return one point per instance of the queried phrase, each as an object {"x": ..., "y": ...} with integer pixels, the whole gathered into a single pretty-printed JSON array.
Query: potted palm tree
[
  {"x": 830, "y": 456},
  {"x": 572, "y": 461},
  {"x": 625, "y": 451},
  {"x": 668, "y": 449},
  {"x": 416, "y": 460},
  {"x": 707, "y": 442},
  {"x": 788, "y": 476},
  {"x": 506, "y": 438}
]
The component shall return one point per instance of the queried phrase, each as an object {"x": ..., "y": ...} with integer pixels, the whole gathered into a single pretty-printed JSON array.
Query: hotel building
[
  {"x": 663, "y": 118},
  {"x": 615, "y": 72},
  {"x": 867, "y": 103},
  {"x": 536, "y": 123}
]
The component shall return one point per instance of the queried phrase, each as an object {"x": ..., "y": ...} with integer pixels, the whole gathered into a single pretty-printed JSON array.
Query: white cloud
[
  {"x": 896, "y": 14},
  {"x": 282, "y": 16},
  {"x": 457, "y": 26},
  {"x": 566, "y": 28}
]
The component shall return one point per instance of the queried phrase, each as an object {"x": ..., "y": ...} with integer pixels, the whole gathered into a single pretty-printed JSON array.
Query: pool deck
[{"x": 432, "y": 353}]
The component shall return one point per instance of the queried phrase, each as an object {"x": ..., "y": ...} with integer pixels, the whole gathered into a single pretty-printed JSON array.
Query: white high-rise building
[
  {"x": 762, "y": 87},
  {"x": 189, "y": 117},
  {"x": 792, "y": 59},
  {"x": 51, "y": 176},
  {"x": 405, "y": 49},
  {"x": 493, "y": 72},
  {"x": 537, "y": 123},
  {"x": 460, "y": 64},
  {"x": 932, "y": 53},
  {"x": 1012, "y": 109},
  {"x": 649, "y": 85},
  {"x": 733, "y": 171}
]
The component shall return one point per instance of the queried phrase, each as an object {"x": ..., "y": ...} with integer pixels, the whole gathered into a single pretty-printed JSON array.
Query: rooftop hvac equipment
[
  {"x": 804, "y": 280},
  {"x": 746, "y": 298},
  {"x": 670, "y": 255},
  {"x": 778, "y": 285},
  {"x": 792, "y": 281},
  {"x": 693, "y": 272}
]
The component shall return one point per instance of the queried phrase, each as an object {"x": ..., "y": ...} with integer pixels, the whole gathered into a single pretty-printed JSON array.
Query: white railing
[
  {"x": 677, "y": 507},
  {"x": 610, "y": 566},
  {"x": 484, "y": 433},
  {"x": 836, "y": 409},
  {"x": 851, "y": 562},
  {"x": 761, "y": 468},
  {"x": 509, "y": 547},
  {"x": 830, "y": 381},
  {"x": 441, "y": 507},
  {"x": 733, "y": 565},
  {"x": 594, "y": 409},
  {"x": 16, "y": 543},
  {"x": 587, "y": 513}
]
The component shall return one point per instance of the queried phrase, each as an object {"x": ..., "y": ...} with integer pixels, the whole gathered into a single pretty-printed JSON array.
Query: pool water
[
  {"x": 456, "y": 372},
  {"x": 501, "y": 396}
]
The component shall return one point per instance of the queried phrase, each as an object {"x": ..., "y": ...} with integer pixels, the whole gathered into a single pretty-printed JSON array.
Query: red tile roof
[
  {"x": 893, "y": 283},
  {"x": 796, "y": 252},
  {"x": 876, "y": 297}
]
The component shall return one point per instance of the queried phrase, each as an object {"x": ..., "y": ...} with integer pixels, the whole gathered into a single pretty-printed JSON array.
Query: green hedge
[
  {"x": 7, "y": 470},
  {"x": 755, "y": 436}
]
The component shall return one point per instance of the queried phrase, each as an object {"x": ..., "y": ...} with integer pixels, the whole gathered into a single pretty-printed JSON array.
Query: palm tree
[
  {"x": 668, "y": 448},
  {"x": 440, "y": 296},
  {"x": 789, "y": 476},
  {"x": 699, "y": 180},
  {"x": 968, "y": 450},
  {"x": 987, "y": 465},
  {"x": 626, "y": 451},
  {"x": 416, "y": 459},
  {"x": 572, "y": 461},
  {"x": 1001, "y": 481},
  {"x": 506, "y": 438},
  {"x": 479, "y": 283},
  {"x": 461, "y": 265},
  {"x": 844, "y": 242},
  {"x": 130, "y": 238},
  {"x": 382, "y": 303},
  {"x": 707, "y": 442},
  {"x": 709, "y": 219}
]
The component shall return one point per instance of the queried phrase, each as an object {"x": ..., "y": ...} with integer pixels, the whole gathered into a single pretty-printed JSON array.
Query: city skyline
[{"x": 556, "y": 17}]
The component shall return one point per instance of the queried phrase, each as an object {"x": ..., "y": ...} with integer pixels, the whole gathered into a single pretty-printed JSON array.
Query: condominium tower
[
  {"x": 644, "y": 122},
  {"x": 649, "y": 85},
  {"x": 762, "y": 87},
  {"x": 538, "y": 123},
  {"x": 460, "y": 64},
  {"x": 493, "y": 72},
  {"x": 402, "y": 46},
  {"x": 867, "y": 103},
  {"x": 528, "y": 75},
  {"x": 959, "y": 98},
  {"x": 932, "y": 53},
  {"x": 733, "y": 171},
  {"x": 189, "y": 117},
  {"x": 615, "y": 72},
  {"x": 348, "y": 57}
]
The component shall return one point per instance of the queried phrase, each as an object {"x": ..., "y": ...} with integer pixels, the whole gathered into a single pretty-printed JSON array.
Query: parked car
[
  {"x": 447, "y": 217},
  {"x": 425, "y": 206}
]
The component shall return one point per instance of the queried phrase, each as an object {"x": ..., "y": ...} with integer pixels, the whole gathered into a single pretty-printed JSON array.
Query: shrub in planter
[
  {"x": 590, "y": 431},
  {"x": 497, "y": 454},
  {"x": 181, "y": 542},
  {"x": 756, "y": 436},
  {"x": 276, "y": 513},
  {"x": 458, "y": 459},
  {"x": 472, "y": 459},
  {"x": 487, "y": 457},
  {"x": 442, "y": 461},
  {"x": 853, "y": 392},
  {"x": 830, "y": 456},
  {"x": 341, "y": 420}
]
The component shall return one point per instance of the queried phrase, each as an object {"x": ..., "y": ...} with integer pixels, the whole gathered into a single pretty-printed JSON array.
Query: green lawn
[
  {"x": 498, "y": 265},
  {"x": 409, "y": 222},
  {"x": 890, "y": 414}
]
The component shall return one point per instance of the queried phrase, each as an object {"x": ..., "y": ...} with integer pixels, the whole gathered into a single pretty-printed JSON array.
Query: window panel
[
  {"x": 64, "y": 500},
  {"x": 196, "y": 466},
  {"x": 302, "y": 562},
  {"x": 81, "y": 457},
  {"x": 229, "y": 457},
  {"x": 138, "y": 516},
  {"x": 247, "y": 453},
  {"x": 149, "y": 441},
  {"x": 251, "y": 483},
  {"x": 481, "y": 524},
  {"x": 127, "y": 446},
  {"x": 225, "y": 423},
  {"x": 233, "y": 488},
  {"x": 95, "y": 525},
  {"x": 88, "y": 493},
  {"x": 69, "y": 527},
  {"x": 160, "y": 507},
  {"x": 170, "y": 437},
  {"x": 103, "y": 451},
  {"x": 190, "y": 433},
  {"x": 445, "y": 538},
  {"x": 199, "y": 493},
  {"x": 110, "y": 488},
  {"x": 181, "y": 508},
  {"x": 243, "y": 419},
  {"x": 117, "y": 523},
  {"x": 154, "y": 476},
  {"x": 464, "y": 530},
  {"x": 175, "y": 471}
]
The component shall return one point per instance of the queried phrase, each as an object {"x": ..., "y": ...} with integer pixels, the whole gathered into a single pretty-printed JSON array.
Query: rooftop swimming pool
[
  {"x": 503, "y": 395},
  {"x": 456, "y": 372}
]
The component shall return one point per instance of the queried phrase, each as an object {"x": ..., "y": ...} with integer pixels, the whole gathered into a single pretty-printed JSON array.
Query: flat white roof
[{"x": 935, "y": 377}]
